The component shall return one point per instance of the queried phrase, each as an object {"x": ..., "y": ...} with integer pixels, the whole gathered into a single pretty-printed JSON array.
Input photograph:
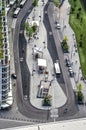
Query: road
[
  {"x": 56, "y": 52},
  {"x": 21, "y": 68},
  {"x": 22, "y": 71},
  {"x": 71, "y": 105}
]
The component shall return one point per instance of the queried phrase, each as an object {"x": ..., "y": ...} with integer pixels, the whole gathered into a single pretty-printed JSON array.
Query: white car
[{"x": 58, "y": 26}]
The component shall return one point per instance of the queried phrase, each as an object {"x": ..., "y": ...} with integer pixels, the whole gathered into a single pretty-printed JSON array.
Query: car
[
  {"x": 70, "y": 69},
  {"x": 67, "y": 59},
  {"x": 71, "y": 73},
  {"x": 68, "y": 64},
  {"x": 56, "y": 22},
  {"x": 58, "y": 26},
  {"x": 13, "y": 76}
]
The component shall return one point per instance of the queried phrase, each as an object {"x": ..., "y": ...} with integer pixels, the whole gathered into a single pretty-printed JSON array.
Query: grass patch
[
  {"x": 57, "y": 3},
  {"x": 78, "y": 23}
]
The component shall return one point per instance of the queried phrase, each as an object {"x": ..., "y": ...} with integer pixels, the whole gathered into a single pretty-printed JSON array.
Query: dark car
[
  {"x": 68, "y": 64},
  {"x": 13, "y": 76},
  {"x": 71, "y": 73}
]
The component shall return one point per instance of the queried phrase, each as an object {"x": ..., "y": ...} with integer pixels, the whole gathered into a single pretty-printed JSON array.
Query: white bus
[
  {"x": 22, "y": 3},
  {"x": 16, "y": 13},
  {"x": 57, "y": 68}
]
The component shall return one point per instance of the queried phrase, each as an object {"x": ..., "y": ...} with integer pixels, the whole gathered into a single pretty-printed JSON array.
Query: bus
[
  {"x": 22, "y": 3},
  {"x": 57, "y": 68},
  {"x": 16, "y": 13}
]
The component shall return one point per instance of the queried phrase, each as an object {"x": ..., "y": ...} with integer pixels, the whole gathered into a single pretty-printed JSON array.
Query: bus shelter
[{"x": 42, "y": 65}]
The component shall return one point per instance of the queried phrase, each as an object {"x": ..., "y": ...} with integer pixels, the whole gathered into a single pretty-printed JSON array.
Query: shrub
[
  {"x": 65, "y": 46},
  {"x": 57, "y": 3},
  {"x": 35, "y": 3},
  {"x": 34, "y": 27},
  {"x": 47, "y": 100},
  {"x": 80, "y": 96}
]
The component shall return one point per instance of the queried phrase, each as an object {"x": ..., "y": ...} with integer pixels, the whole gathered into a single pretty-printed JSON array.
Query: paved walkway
[
  {"x": 58, "y": 96},
  {"x": 73, "y": 54}
]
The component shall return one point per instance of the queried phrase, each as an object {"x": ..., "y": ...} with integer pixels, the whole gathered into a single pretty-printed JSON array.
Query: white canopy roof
[
  {"x": 37, "y": 49},
  {"x": 42, "y": 62}
]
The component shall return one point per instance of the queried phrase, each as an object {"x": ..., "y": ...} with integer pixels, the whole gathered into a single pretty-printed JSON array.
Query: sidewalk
[
  {"x": 73, "y": 54},
  {"x": 58, "y": 96}
]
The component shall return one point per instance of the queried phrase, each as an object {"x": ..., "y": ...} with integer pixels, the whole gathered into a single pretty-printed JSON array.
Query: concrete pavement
[
  {"x": 73, "y": 51},
  {"x": 58, "y": 96}
]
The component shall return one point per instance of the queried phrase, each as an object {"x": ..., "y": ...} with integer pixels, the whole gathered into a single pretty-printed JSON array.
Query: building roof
[{"x": 42, "y": 62}]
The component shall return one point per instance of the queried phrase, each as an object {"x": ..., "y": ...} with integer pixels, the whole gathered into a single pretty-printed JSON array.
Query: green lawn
[{"x": 79, "y": 27}]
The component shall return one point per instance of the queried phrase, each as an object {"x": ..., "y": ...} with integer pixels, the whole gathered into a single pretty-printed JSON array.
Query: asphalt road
[
  {"x": 71, "y": 104},
  {"x": 21, "y": 68},
  {"x": 22, "y": 71}
]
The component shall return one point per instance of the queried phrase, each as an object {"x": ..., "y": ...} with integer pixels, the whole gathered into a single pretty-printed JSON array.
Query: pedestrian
[
  {"x": 72, "y": 63},
  {"x": 76, "y": 61},
  {"x": 74, "y": 53},
  {"x": 65, "y": 111}
]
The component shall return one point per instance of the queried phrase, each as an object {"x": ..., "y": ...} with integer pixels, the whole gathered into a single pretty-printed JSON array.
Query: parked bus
[
  {"x": 57, "y": 68},
  {"x": 16, "y": 13},
  {"x": 22, "y": 3}
]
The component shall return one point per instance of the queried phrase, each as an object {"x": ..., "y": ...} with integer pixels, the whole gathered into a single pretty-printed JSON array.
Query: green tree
[
  {"x": 78, "y": 15},
  {"x": 47, "y": 100},
  {"x": 80, "y": 97},
  {"x": 79, "y": 87},
  {"x": 75, "y": 3},
  {"x": 64, "y": 44},
  {"x": 57, "y": 3},
  {"x": 35, "y": 2},
  {"x": 65, "y": 38},
  {"x": 34, "y": 27}
]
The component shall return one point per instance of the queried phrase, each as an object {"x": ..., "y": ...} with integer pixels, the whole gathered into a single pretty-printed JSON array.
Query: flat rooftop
[{"x": 75, "y": 124}]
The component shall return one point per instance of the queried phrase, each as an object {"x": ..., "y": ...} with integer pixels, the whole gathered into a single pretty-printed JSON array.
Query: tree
[
  {"x": 65, "y": 38},
  {"x": 34, "y": 27},
  {"x": 80, "y": 96},
  {"x": 64, "y": 44},
  {"x": 57, "y": 3},
  {"x": 81, "y": 20},
  {"x": 81, "y": 35},
  {"x": 75, "y": 3},
  {"x": 47, "y": 100},
  {"x": 72, "y": 9},
  {"x": 79, "y": 9},
  {"x": 80, "y": 43},
  {"x": 35, "y": 3},
  {"x": 79, "y": 87},
  {"x": 78, "y": 15}
]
